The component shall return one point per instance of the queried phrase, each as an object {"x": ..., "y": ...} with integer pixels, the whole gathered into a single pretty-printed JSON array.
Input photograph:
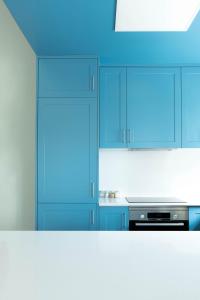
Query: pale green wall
[{"x": 17, "y": 126}]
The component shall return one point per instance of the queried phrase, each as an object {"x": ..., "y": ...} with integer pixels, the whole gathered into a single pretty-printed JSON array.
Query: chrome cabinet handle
[
  {"x": 93, "y": 189},
  {"x": 124, "y": 218},
  {"x": 92, "y": 217},
  {"x": 124, "y": 136},
  {"x": 130, "y": 136},
  {"x": 93, "y": 83}
]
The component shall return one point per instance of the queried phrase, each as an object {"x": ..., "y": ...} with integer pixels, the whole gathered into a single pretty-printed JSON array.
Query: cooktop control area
[{"x": 153, "y": 200}]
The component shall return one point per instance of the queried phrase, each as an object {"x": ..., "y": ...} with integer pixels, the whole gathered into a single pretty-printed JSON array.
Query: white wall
[
  {"x": 17, "y": 126},
  {"x": 152, "y": 173}
]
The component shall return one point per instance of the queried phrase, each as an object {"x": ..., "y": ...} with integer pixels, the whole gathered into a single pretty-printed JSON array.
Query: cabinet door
[
  {"x": 153, "y": 107},
  {"x": 60, "y": 77},
  {"x": 113, "y": 218},
  {"x": 67, "y": 151},
  {"x": 194, "y": 218},
  {"x": 191, "y": 107},
  {"x": 113, "y": 107},
  {"x": 67, "y": 217}
]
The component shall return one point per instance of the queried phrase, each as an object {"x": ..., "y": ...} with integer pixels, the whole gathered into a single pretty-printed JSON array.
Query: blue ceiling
[{"x": 64, "y": 27}]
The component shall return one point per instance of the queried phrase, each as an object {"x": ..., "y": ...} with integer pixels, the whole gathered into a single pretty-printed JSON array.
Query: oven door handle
[{"x": 160, "y": 224}]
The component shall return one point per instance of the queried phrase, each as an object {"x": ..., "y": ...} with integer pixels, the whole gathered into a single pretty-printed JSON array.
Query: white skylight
[{"x": 155, "y": 15}]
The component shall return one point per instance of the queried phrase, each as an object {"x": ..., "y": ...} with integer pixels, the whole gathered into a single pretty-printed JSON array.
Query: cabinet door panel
[
  {"x": 194, "y": 218},
  {"x": 113, "y": 218},
  {"x": 113, "y": 107},
  {"x": 153, "y": 107},
  {"x": 67, "y": 217},
  {"x": 191, "y": 107},
  {"x": 67, "y": 151},
  {"x": 67, "y": 77}
]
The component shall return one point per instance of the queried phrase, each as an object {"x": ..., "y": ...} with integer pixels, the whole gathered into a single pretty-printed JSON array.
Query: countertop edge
[{"x": 117, "y": 202}]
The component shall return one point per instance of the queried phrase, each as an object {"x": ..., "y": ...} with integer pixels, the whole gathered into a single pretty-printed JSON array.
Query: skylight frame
[{"x": 125, "y": 23}]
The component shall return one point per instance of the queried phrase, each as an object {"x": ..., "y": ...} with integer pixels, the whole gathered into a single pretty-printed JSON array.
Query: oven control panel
[
  {"x": 158, "y": 213},
  {"x": 175, "y": 216}
]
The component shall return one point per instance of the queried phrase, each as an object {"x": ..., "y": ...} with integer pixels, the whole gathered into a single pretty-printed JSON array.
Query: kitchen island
[{"x": 99, "y": 265}]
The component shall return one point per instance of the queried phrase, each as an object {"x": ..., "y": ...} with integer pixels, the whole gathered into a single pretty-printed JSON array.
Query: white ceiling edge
[{"x": 155, "y": 15}]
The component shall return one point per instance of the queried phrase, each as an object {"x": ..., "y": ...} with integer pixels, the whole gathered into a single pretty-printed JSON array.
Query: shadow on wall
[{"x": 17, "y": 127}]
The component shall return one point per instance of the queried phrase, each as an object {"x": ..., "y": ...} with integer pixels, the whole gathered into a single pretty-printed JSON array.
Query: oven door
[{"x": 158, "y": 225}]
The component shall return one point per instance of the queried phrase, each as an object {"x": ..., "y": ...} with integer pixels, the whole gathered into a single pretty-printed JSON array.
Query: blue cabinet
[
  {"x": 191, "y": 107},
  {"x": 67, "y": 160},
  {"x": 67, "y": 151},
  {"x": 67, "y": 77},
  {"x": 113, "y": 218},
  {"x": 153, "y": 107},
  {"x": 194, "y": 218},
  {"x": 67, "y": 217},
  {"x": 113, "y": 107},
  {"x": 140, "y": 107}
]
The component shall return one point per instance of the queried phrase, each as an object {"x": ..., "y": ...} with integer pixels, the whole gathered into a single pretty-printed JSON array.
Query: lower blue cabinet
[
  {"x": 194, "y": 218},
  {"x": 67, "y": 217},
  {"x": 113, "y": 218}
]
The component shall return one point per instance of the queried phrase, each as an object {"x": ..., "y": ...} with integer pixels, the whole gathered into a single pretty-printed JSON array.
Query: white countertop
[
  {"x": 99, "y": 265},
  {"x": 113, "y": 202},
  {"x": 124, "y": 202}
]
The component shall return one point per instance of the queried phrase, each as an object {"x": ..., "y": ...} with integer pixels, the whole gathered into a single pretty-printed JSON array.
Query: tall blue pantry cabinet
[{"x": 67, "y": 188}]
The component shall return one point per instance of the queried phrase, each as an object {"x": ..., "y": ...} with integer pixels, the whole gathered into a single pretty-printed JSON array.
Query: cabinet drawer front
[
  {"x": 154, "y": 107},
  {"x": 59, "y": 77},
  {"x": 67, "y": 217}
]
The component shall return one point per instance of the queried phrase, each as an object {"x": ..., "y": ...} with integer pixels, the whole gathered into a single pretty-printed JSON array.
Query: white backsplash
[{"x": 151, "y": 173}]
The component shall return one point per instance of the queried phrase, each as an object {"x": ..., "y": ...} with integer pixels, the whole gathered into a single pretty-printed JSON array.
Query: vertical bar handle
[
  {"x": 124, "y": 221},
  {"x": 92, "y": 217},
  {"x": 93, "y": 83},
  {"x": 124, "y": 136},
  {"x": 93, "y": 189},
  {"x": 130, "y": 135}
]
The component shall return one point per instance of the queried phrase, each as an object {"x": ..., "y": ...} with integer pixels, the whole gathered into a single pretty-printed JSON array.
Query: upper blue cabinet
[
  {"x": 191, "y": 107},
  {"x": 113, "y": 107},
  {"x": 140, "y": 107},
  {"x": 67, "y": 77},
  {"x": 153, "y": 107},
  {"x": 67, "y": 151}
]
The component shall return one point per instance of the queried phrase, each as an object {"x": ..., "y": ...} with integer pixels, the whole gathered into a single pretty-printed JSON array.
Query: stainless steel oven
[{"x": 158, "y": 218}]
